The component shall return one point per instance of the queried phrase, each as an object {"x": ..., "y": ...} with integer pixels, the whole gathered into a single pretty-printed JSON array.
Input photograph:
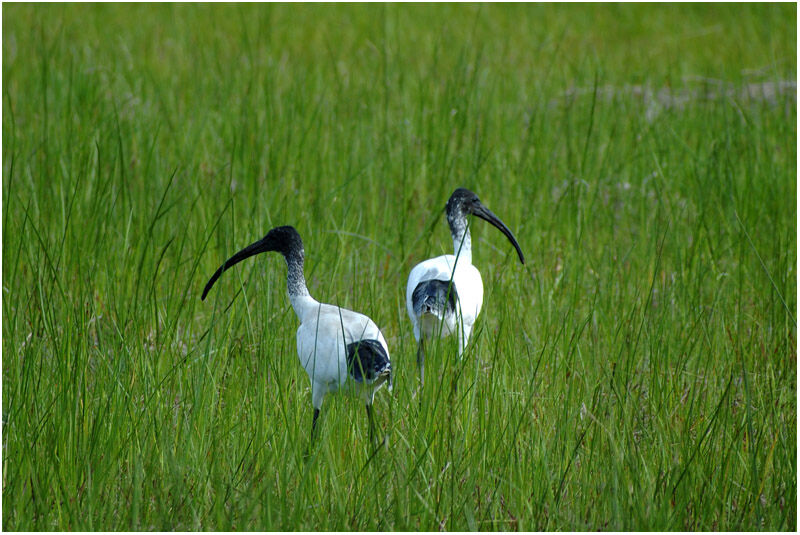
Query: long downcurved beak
[
  {"x": 487, "y": 215},
  {"x": 260, "y": 246}
]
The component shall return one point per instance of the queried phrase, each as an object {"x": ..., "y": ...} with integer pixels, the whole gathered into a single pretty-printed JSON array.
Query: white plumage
[
  {"x": 338, "y": 348},
  {"x": 323, "y": 352},
  {"x": 444, "y": 295},
  {"x": 428, "y": 320}
]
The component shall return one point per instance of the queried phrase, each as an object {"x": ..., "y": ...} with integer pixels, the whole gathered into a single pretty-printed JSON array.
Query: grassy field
[{"x": 638, "y": 372}]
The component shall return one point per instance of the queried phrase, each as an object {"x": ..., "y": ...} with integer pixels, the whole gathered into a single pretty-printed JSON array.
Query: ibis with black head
[
  {"x": 338, "y": 348},
  {"x": 444, "y": 295}
]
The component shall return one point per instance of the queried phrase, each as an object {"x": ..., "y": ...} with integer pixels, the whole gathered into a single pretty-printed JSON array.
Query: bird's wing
[
  {"x": 332, "y": 321},
  {"x": 466, "y": 279},
  {"x": 367, "y": 360},
  {"x": 439, "y": 268}
]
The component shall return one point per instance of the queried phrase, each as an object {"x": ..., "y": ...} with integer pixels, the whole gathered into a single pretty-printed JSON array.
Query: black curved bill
[
  {"x": 484, "y": 213},
  {"x": 260, "y": 246}
]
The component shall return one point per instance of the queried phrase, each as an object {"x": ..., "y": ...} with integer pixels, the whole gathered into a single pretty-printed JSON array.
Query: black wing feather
[
  {"x": 436, "y": 296},
  {"x": 367, "y": 359}
]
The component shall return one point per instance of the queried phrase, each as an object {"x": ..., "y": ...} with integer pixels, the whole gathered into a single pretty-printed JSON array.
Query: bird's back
[
  {"x": 323, "y": 339},
  {"x": 466, "y": 280},
  {"x": 435, "y": 297}
]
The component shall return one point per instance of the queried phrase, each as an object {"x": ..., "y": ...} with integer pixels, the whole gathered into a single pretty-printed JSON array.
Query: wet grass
[{"x": 639, "y": 372}]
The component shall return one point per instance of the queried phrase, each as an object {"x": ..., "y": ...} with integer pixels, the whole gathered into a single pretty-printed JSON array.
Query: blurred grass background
[{"x": 639, "y": 372}]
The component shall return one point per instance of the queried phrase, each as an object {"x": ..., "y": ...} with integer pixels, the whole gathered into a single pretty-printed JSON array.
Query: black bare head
[
  {"x": 285, "y": 240},
  {"x": 463, "y": 202}
]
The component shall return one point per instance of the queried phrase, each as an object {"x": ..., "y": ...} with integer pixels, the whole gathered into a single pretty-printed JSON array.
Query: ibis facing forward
[
  {"x": 338, "y": 348},
  {"x": 444, "y": 295}
]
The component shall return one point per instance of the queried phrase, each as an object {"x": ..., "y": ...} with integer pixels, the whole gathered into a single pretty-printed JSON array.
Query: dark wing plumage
[
  {"x": 367, "y": 359},
  {"x": 434, "y": 297}
]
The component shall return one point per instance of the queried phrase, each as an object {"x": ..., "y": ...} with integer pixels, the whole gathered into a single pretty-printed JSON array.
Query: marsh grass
[{"x": 638, "y": 372}]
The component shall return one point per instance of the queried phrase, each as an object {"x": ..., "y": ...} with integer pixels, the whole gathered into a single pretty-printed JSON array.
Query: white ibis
[
  {"x": 338, "y": 348},
  {"x": 444, "y": 295}
]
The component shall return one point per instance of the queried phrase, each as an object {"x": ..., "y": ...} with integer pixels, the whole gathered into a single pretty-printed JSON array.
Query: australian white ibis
[
  {"x": 444, "y": 294},
  {"x": 338, "y": 348}
]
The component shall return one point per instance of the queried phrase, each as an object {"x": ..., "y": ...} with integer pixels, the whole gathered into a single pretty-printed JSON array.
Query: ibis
[
  {"x": 444, "y": 295},
  {"x": 338, "y": 348}
]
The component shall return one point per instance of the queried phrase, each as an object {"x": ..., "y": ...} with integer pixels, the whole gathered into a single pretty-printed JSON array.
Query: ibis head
[
  {"x": 463, "y": 202},
  {"x": 285, "y": 240}
]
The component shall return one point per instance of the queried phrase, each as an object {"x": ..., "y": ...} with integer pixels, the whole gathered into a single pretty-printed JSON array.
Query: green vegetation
[{"x": 639, "y": 372}]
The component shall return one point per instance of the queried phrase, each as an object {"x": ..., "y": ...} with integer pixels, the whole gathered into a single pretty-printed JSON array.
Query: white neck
[
  {"x": 304, "y": 306},
  {"x": 462, "y": 241}
]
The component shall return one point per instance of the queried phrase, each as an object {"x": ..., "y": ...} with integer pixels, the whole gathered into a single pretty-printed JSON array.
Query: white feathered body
[
  {"x": 323, "y": 336},
  {"x": 469, "y": 289}
]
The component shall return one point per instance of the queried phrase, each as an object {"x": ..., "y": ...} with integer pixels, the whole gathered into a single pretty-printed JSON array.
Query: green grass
[{"x": 639, "y": 372}]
